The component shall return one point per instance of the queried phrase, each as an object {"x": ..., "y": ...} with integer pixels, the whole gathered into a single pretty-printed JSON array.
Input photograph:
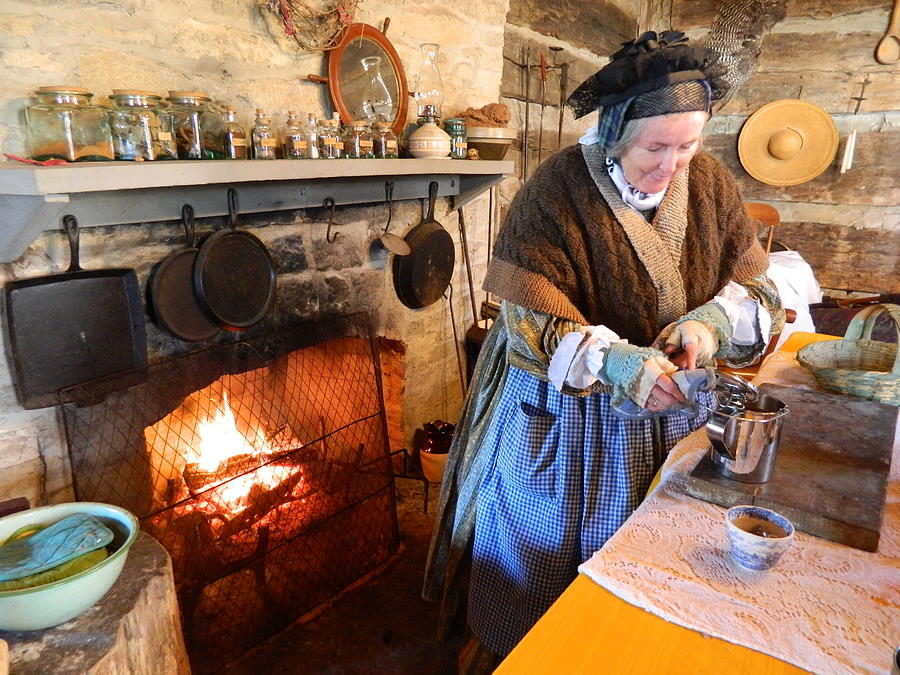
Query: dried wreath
[{"x": 316, "y": 25}]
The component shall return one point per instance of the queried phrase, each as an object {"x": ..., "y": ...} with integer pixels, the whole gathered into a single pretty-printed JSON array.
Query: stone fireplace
[{"x": 261, "y": 466}]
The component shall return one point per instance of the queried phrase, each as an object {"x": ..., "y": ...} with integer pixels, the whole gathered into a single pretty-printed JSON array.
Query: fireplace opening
[{"x": 262, "y": 466}]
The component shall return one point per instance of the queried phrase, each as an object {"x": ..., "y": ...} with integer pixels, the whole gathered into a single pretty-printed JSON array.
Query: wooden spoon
[{"x": 888, "y": 49}]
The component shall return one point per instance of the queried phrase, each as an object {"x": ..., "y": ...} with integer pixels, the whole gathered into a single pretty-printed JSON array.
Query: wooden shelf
[{"x": 35, "y": 198}]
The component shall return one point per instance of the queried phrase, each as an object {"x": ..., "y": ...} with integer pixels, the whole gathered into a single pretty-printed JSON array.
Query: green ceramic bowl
[{"x": 60, "y": 601}]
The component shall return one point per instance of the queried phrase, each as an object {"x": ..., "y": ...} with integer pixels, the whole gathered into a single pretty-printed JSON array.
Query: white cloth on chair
[{"x": 798, "y": 288}]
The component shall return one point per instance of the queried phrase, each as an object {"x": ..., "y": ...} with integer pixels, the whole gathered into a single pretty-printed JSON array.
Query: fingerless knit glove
[
  {"x": 708, "y": 327},
  {"x": 633, "y": 370}
]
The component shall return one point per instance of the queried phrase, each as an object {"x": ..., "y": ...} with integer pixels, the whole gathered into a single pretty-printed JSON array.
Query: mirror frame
[{"x": 357, "y": 31}]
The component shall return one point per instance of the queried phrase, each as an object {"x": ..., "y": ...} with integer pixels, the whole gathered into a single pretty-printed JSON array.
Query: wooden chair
[{"x": 767, "y": 217}]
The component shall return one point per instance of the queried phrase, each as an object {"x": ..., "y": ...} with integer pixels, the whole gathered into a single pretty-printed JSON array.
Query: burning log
[{"x": 261, "y": 501}]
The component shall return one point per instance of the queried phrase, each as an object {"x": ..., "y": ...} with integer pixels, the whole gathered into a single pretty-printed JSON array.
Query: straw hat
[{"x": 787, "y": 142}]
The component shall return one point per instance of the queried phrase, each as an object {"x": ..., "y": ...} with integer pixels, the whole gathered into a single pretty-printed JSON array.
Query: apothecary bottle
[
  {"x": 384, "y": 141},
  {"x": 135, "y": 125},
  {"x": 331, "y": 145},
  {"x": 456, "y": 127},
  {"x": 186, "y": 108},
  {"x": 263, "y": 137},
  {"x": 294, "y": 142},
  {"x": 64, "y": 124},
  {"x": 358, "y": 141},
  {"x": 234, "y": 138},
  {"x": 311, "y": 131}
]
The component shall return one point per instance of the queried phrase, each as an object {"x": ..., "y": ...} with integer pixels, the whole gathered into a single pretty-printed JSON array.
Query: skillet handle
[
  {"x": 232, "y": 208},
  {"x": 187, "y": 220},
  {"x": 432, "y": 198},
  {"x": 71, "y": 225}
]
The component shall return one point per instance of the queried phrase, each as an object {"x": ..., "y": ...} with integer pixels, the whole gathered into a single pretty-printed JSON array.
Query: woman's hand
[
  {"x": 685, "y": 356},
  {"x": 664, "y": 393}
]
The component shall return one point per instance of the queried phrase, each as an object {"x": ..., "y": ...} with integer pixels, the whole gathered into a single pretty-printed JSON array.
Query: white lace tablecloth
[{"x": 824, "y": 607}]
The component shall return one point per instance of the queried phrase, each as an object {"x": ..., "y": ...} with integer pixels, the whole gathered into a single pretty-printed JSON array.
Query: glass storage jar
[
  {"x": 64, "y": 124},
  {"x": 384, "y": 141},
  {"x": 198, "y": 130},
  {"x": 311, "y": 132},
  {"x": 263, "y": 137},
  {"x": 294, "y": 142},
  {"x": 358, "y": 141},
  {"x": 135, "y": 125},
  {"x": 234, "y": 138},
  {"x": 456, "y": 127},
  {"x": 331, "y": 146}
]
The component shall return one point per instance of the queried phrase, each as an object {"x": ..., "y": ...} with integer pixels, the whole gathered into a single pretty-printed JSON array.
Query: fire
[{"x": 220, "y": 439}]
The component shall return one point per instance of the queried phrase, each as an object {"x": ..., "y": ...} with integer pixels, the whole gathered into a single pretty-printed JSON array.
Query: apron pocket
[{"x": 528, "y": 451}]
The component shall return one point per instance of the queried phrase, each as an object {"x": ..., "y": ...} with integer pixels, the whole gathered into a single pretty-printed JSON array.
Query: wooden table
[{"x": 590, "y": 630}]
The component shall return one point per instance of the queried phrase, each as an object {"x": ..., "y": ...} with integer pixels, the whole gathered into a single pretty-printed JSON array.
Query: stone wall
[{"x": 226, "y": 48}]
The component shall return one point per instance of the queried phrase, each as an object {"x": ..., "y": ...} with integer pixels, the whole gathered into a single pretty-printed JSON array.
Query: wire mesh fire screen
[{"x": 263, "y": 468}]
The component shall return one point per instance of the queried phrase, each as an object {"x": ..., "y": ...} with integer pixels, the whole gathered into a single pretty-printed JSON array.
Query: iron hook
[
  {"x": 232, "y": 207},
  {"x": 389, "y": 196},
  {"x": 329, "y": 203}
]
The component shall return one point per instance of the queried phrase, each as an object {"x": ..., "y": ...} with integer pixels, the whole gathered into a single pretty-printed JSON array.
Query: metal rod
[
  {"x": 527, "y": 95},
  {"x": 543, "y": 94},
  {"x": 465, "y": 247}
]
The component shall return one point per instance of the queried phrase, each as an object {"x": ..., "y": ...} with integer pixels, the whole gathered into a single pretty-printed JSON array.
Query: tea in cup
[{"x": 758, "y": 536}]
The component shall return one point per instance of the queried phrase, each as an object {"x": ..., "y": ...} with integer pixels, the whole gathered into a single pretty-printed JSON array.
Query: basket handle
[{"x": 862, "y": 324}]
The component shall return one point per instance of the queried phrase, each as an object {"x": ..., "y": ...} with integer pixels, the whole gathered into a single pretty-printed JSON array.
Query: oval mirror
[{"x": 366, "y": 79}]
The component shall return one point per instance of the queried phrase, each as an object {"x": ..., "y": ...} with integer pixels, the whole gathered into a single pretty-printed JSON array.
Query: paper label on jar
[
  {"x": 298, "y": 145},
  {"x": 267, "y": 142},
  {"x": 392, "y": 145},
  {"x": 164, "y": 135},
  {"x": 462, "y": 146},
  {"x": 339, "y": 145},
  {"x": 365, "y": 145},
  {"x": 239, "y": 142}
]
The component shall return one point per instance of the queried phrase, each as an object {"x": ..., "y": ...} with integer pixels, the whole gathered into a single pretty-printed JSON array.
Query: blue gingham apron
[{"x": 564, "y": 474}]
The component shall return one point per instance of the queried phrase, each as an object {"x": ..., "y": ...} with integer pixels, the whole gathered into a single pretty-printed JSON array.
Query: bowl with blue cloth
[{"x": 57, "y": 561}]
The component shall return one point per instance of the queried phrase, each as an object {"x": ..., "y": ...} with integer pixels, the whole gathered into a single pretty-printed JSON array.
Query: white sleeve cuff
[
  {"x": 579, "y": 357},
  {"x": 747, "y": 317}
]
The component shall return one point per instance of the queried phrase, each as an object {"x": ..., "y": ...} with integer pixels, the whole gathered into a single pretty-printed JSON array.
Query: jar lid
[
  {"x": 360, "y": 124},
  {"x": 63, "y": 89},
  {"x": 384, "y": 126},
  {"x": 135, "y": 92},
  {"x": 181, "y": 93}
]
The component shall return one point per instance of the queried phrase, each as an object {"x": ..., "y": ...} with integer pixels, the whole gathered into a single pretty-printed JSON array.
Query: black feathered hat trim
[{"x": 650, "y": 62}]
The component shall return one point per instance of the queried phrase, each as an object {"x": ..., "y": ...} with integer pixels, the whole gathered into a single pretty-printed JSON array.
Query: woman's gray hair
[{"x": 630, "y": 133}]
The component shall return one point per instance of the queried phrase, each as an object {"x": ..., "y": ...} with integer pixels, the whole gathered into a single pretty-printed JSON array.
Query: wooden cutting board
[{"x": 831, "y": 470}]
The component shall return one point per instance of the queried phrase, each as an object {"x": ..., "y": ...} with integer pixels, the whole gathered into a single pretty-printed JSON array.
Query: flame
[{"x": 220, "y": 438}]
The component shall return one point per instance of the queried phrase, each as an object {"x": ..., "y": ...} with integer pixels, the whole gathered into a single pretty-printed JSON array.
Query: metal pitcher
[{"x": 744, "y": 430}]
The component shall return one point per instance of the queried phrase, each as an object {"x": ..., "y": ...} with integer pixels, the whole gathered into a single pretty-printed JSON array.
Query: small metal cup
[{"x": 745, "y": 443}]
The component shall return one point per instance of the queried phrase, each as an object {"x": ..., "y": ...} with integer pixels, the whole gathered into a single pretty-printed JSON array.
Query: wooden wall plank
[
  {"x": 689, "y": 14},
  {"x": 831, "y": 91},
  {"x": 872, "y": 181},
  {"x": 846, "y": 258},
  {"x": 597, "y": 26}
]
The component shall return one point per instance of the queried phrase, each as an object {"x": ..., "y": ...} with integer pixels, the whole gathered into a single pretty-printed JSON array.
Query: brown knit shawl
[{"x": 565, "y": 250}]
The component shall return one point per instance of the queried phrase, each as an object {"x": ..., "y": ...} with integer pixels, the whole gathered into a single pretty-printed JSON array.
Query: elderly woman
[{"x": 622, "y": 260}]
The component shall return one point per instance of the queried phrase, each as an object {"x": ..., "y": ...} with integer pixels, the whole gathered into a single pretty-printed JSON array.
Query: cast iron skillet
[
  {"x": 234, "y": 275},
  {"x": 172, "y": 296},
  {"x": 73, "y": 327},
  {"x": 421, "y": 277}
]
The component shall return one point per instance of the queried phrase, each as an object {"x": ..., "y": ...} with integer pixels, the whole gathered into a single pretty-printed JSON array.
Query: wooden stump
[{"x": 135, "y": 628}]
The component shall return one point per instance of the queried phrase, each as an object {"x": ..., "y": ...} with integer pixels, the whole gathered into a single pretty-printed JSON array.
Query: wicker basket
[{"x": 858, "y": 365}]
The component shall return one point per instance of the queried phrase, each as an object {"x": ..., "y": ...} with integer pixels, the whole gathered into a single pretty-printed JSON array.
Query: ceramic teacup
[{"x": 758, "y": 536}]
